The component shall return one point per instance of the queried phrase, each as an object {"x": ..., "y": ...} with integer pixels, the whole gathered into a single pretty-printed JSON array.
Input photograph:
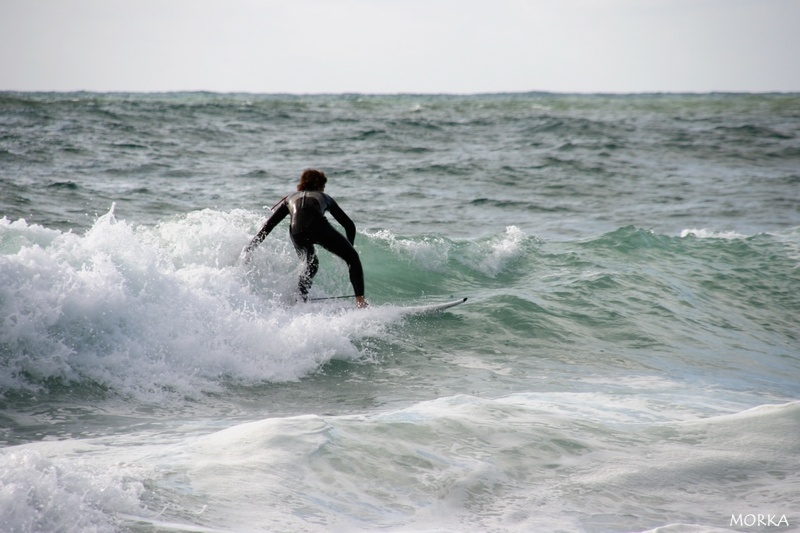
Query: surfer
[{"x": 309, "y": 226}]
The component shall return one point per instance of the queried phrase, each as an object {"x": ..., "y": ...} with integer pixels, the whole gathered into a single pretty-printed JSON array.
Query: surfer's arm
[
  {"x": 342, "y": 218},
  {"x": 277, "y": 215}
]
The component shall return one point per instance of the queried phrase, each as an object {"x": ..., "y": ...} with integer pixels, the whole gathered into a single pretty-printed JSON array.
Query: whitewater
[{"x": 628, "y": 359}]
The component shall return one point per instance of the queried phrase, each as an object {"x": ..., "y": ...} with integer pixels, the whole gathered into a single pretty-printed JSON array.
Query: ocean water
[{"x": 628, "y": 359}]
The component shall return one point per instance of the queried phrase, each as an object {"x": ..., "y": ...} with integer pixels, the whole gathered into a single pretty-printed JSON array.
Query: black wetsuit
[{"x": 309, "y": 227}]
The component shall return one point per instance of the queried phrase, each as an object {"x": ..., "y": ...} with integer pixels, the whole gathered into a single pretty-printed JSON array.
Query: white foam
[
  {"x": 525, "y": 462},
  {"x": 493, "y": 256},
  {"x": 146, "y": 310},
  {"x": 712, "y": 234},
  {"x": 17, "y": 234},
  {"x": 428, "y": 253},
  {"x": 42, "y": 492},
  {"x": 429, "y": 467},
  {"x": 489, "y": 256}
]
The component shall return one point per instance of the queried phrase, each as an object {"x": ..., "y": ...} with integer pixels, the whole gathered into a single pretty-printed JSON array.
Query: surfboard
[
  {"x": 336, "y": 302},
  {"x": 432, "y": 308}
]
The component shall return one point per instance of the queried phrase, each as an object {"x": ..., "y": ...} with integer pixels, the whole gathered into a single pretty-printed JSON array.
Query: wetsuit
[{"x": 309, "y": 227}]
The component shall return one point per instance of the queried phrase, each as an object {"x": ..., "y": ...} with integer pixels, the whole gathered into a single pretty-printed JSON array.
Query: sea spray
[{"x": 163, "y": 310}]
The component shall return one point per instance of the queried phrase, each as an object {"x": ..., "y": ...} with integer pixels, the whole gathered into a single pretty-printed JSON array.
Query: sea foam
[
  {"x": 523, "y": 462},
  {"x": 160, "y": 310}
]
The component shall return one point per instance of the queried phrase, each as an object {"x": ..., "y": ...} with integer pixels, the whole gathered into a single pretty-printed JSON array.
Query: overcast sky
[{"x": 400, "y": 46}]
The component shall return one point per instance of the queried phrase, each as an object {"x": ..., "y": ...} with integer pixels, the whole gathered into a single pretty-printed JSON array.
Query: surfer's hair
[{"x": 312, "y": 180}]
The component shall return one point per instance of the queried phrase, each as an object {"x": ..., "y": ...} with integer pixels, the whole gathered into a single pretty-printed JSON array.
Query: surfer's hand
[{"x": 361, "y": 302}]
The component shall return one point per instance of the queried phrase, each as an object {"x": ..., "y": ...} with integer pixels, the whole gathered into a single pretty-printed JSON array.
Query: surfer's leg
[
  {"x": 307, "y": 278},
  {"x": 337, "y": 244},
  {"x": 306, "y": 252}
]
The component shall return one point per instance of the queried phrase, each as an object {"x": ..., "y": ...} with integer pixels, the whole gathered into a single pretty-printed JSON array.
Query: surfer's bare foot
[{"x": 361, "y": 302}]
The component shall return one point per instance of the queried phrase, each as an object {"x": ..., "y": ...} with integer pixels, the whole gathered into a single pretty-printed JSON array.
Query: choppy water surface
[{"x": 628, "y": 359}]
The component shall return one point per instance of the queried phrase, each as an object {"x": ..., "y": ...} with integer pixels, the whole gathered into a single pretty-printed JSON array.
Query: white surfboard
[
  {"x": 337, "y": 302},
  {"x": 432, "y": 308}
]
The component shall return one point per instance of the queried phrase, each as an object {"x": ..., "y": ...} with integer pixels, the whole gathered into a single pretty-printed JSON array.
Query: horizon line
[{"x": 403, "y": 93}]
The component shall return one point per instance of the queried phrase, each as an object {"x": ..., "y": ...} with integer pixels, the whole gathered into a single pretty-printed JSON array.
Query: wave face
[
  {"x": 627, "y": 360},
  {"x": 171, "y": 308}
]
